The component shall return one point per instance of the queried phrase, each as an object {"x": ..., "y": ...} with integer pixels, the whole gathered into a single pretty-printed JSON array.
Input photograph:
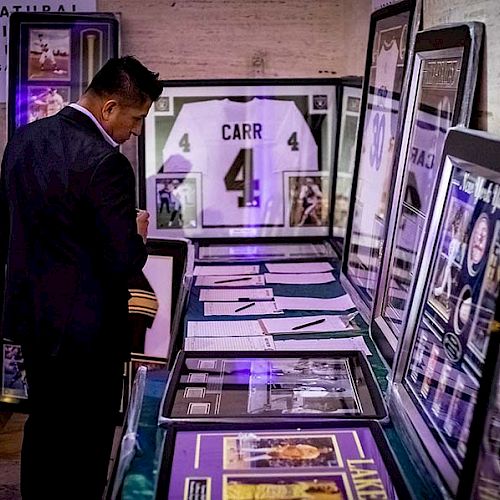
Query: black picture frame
[
  {"x": 293, "y": 428},
  {"x": 349, "y": 99},
  {"x": 391, "y": 38},
  {"x": 165, "y": 161},
  {"x": 360, "y": 395},
  {"x": 52, "y": 58},
  {"x": 443, "y": 79},
  {"x": 447, "y": 355}
]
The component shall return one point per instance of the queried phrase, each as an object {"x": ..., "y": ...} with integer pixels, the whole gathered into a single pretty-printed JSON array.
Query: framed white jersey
[{"x": 230, "y": 159}]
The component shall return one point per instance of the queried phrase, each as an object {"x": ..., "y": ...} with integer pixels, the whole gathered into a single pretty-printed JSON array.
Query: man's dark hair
[{"x": 128, "y": 79}]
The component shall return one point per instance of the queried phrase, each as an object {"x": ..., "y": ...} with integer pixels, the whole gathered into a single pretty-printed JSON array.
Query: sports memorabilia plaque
[
  {"x": 346, "y": 151},
  {"x": 272, "y": 385},
  {"x": 441, "y": 94},
  {"x": 391, "y": 38},
  {"x": 52, "y": 59},
  {"x": 334, "y": 462},
  {"x": 446, "y": 344},
  {"x": 236, "y": 159}
]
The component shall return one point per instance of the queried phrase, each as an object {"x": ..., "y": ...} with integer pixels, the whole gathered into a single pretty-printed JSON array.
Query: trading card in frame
[
  {"x": 233, "y": 145},
  {"x": 391, "y": 38},
  {"x": 441, "y": 95},
  {"x": 335, "y": 461},
  {"x": 344, "y": 166},
  {"x": 442, "y": 361},
  {"x": 270, "y": 386},
  {"x": 54, "y": 56}
]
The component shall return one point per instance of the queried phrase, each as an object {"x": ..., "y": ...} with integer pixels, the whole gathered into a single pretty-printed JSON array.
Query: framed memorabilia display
[
  {"x": 235, "y": 159},
  {"x": 482, "y": 463},
  {"x": 446, "y": 348},
  {"x": 349, "y": 110},
  {"x": 52, "y": 59},
  {"x": 343, "y": 460},
  {"x": 276, "y": 385},
  {"x": 150, "y": 363},
  {"x": 14, "y": 388},
  {"x": 442, "y": 87},
  {"x": 390, "y": 45},
  {"x": 128, "y": 442}
]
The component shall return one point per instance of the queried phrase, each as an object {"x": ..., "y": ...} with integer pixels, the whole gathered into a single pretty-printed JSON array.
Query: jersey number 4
[{"x": 239, "y": 177}]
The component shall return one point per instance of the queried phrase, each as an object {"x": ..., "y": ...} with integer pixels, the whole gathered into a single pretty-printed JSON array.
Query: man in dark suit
[{"x": 69, "y": 240}]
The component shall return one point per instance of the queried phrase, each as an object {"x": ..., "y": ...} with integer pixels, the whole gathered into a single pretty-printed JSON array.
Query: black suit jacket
[{"x": 68, "y": 237}]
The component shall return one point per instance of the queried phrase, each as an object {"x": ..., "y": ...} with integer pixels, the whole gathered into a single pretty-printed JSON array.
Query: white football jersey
[{"x": 241, "y": 150}]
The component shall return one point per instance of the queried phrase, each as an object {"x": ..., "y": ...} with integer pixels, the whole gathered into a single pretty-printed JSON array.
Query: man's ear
[{"x": 108, "y": 108}]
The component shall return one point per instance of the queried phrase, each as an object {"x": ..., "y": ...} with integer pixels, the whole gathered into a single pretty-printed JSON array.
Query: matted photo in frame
[
  {"x": 442, "y": 87},
  {"x": 390, "y": 44},
  {"x": 52, "y": 59},
  {"x": 271, "y": 385},
  {"x": 234, "y": 142},
  {"x": 308, "y": 200},
  {"x": 346, "y": 154},
  {"x": 446, "y": 351},
  {"x": 249, "y": 460}
]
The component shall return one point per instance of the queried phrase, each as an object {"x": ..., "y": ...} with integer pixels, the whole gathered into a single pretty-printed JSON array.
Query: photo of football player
[
  {"x": 176, "y": 202},
  {"x": 307, "y": 201},
  {"x": 49, "y": 57},
  {"x": 14, "y": 374}
]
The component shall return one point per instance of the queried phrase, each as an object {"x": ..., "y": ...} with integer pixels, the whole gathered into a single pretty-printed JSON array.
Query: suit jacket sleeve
[{"x": 112, "y": 199}]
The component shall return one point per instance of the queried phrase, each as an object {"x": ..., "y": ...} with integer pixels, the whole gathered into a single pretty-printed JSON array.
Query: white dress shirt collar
[{"x": 85, "y": 111}]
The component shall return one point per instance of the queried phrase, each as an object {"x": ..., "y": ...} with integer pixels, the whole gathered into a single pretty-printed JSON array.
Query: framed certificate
[
  {"x": 53, "y": 58},
  {"x": 333, "y": 461},
  {"x": 442, "y": 87},
  {"x": 239, "y": 159},
  {"x": 391, "y": 40},
  {"x": 447, "y": 348},
  {"x": 275, "y": 385},
  {"x": 349, "y": 111}
]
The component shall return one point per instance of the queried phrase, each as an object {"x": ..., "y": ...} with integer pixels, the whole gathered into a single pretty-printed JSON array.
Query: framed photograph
[
  {"x": 49, "y": 54},
  {"x": 231, "y": 145},
  {"x": 151, "y": 364},
  {"x": 307, "y": 203},
  {"x": 391, "y": 39},
  {"x": 53, "y": 58},
  {"x": 444, "y": 358},
  {"x": 441, "y": 93},
  {"x": 307, "y": 460},
  {"x": 14, "y": 384},
  {"x": 350, "y": 108},
  {"x": 273, "y": 385}
]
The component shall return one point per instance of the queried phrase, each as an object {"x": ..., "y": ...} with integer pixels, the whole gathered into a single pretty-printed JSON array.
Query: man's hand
[{"x": 142, "y": 220}]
